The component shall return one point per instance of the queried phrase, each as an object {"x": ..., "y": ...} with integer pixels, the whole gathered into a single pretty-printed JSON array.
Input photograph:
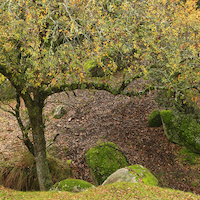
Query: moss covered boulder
[
  {"x": 155, "y": 119},
  {"x": 72, "y": 185},
  {"x": 134, "y": 174},
  {"x": 103, "y": 160},
  {"x": 181, "y": 129},
  {"x": 92, "y": 68}
]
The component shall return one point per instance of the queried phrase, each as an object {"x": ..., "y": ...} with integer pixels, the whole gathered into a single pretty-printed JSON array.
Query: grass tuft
[{"x": 19, "y": 173}]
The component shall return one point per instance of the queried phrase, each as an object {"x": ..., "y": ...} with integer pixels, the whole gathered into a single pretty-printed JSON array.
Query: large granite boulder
[
  {"x": 134, "y": 174},
  {"x": 59, "y": 112},
  {"x": 155, "y": 119},
  {"x": 72, "y": 185},
  {"x": 181, "y": 129},
  {"x": 103, "y": 160}
]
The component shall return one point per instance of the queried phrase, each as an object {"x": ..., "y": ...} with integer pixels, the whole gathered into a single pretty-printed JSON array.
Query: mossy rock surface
[
  {"x": 103, "y": 160},
  {"x": 169, "y": 129},
  {"x": 181, "y": 129},
  {"x": 134, "y": 174},
  {"x": 92, "y": 68},
  {"x": 186, "y": 156},
  {"x": 72, "y": 185},
  {"x": 155, "y": 119},
  {"x": 144, "y": 174},
  {"x": 59, "y": 112}
]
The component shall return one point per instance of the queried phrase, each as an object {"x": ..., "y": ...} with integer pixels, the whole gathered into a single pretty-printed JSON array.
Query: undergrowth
[{"x": 19, "y": 173}]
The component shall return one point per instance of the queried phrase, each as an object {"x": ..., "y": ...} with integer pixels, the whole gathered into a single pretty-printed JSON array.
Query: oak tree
[{"x": 44, "y": 45}]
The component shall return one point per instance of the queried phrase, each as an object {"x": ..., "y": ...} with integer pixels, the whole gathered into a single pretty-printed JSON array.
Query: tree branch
[
  {"x": 78, "y": 85},
  {"x": 125, "y": 83},
  {"x": 54, "y": 139},
  {"x": 103, "y": 86},
  {"x": 7, "y": 110},
  {"x": 24, "y": 129}
]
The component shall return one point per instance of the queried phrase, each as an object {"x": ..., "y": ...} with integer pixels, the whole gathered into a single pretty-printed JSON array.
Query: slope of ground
[
  {"x": 113, "y": 191},
  {"x": 101, "y": 116}
]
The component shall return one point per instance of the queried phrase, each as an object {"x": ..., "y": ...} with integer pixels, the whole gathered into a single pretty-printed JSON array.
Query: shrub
[
  {"x": 19, "y": 173},
  {"x": 6, "y": 91}
]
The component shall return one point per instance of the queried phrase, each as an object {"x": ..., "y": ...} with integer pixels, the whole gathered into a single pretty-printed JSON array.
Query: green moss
[
  {"x": 144, "y": 174},
  {"x": 191, "y": 136},
  {"x": 69, "y": 162},
  {"x": 58, "y": 169},
  {"x": 92, "y": 68},
  {"x": 119, "y": 191},
  {"x": 188, "y": 130},
  {"x": 182, "y": 129},
  {"x": 155, "y": 119},
  {"x": 166, "y": 116},
  {"x": 170, "y": 131},
  {"x": 103, "y": 160},
  {"x": 72, "y": 185},
  {"x": 188, "y": 157},
  {"x": 90, "y": 64}
]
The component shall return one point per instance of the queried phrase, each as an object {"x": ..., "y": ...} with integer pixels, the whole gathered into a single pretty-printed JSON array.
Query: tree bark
[{"x": 35, "y": 108}]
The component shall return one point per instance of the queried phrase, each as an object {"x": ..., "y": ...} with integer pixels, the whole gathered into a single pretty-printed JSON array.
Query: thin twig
[{"x": 54, "y": 139}]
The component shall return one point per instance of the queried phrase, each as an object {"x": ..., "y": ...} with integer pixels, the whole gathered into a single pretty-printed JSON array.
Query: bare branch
[{"x": 54, "y": 139}]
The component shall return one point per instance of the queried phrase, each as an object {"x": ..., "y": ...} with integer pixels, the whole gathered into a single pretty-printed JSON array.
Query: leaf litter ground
[{"x": 100, "y": 116}]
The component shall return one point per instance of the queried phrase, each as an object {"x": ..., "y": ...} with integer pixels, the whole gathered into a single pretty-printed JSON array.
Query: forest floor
[{"x": 98, "y": 116}]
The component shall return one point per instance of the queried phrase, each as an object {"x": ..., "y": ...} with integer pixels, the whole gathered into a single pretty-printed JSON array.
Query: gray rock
[
  {"x": 59, "y": 112},
  {"x": 134, "y": 174}
]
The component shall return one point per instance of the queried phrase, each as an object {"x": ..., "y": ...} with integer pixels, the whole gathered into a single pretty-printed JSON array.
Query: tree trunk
[{"x": 35, "y": 108}]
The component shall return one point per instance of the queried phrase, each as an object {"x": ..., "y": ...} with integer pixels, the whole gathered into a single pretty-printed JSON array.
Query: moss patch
[
  {"x": 144, "y": 175},
  {"x": 188, "y": 157},
  {"x": 166, "y": 116},
  {"x": 134, "y": 174},
  {"x": 170, "y": 132},
  {"x": 119, "y": 191},
  {"x": 155, "y": 119},
  {"x": 72, "y": 185},
  {"x": 103, "y": 160},
  {"x": 191, "y": 135},
  {"x": 92, "y": 68},
  {"x": 181, "y": 129}
]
